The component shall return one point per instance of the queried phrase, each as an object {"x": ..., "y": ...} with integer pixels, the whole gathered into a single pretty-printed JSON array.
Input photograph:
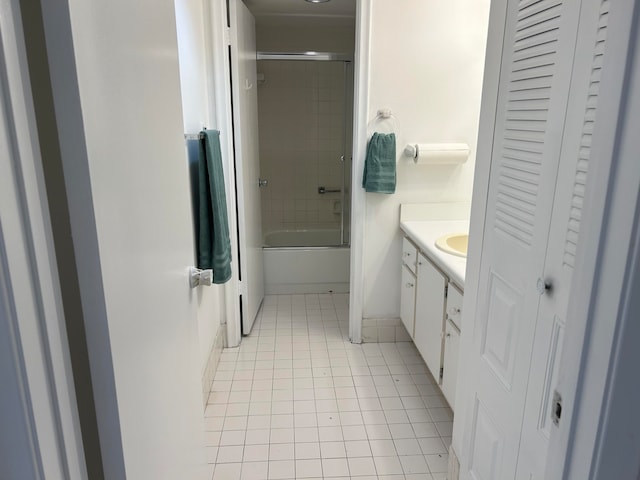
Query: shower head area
[
  {"x": 305, "y": 148},
  {"x": 305, "y": 123}
]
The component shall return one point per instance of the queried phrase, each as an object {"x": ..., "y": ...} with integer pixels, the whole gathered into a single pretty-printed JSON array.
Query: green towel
[
  {"x": 214, "y": 246},
  {"x": 380, "y": 164}
]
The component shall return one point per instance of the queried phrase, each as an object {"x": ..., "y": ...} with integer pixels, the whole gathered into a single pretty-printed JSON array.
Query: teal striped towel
[
  {"x": 214, "y": 246},
  {"x": 380, "y": 164}
]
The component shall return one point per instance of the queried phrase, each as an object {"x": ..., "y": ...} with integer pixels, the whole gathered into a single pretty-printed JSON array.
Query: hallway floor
[{"x": 298, "y": 400}]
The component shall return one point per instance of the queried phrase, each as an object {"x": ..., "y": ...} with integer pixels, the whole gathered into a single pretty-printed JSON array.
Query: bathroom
[
  {"x": 359, "y": 369},
  {"x": 433, "y": 107}
]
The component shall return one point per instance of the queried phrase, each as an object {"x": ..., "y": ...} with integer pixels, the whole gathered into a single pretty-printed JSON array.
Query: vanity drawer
[{"x": 409, "y": 254}]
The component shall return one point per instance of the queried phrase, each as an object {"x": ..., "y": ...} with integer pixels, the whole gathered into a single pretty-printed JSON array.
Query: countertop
[{"x": 424, "y": 234}]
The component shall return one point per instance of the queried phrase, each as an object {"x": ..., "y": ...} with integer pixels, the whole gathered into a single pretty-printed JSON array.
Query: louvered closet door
[
  {"x": 563, "y": 237},
  {"x": 535, "y": 73}
]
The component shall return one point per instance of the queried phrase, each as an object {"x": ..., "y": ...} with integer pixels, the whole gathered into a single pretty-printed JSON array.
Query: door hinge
[
  {"x": 446, "y": 291},
  {"x": 556, "y": 408},
  {"x": 441, "y": 373}
]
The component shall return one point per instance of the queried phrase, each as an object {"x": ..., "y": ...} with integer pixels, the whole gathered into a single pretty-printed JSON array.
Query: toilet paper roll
[{"x": 438, "y": 153}]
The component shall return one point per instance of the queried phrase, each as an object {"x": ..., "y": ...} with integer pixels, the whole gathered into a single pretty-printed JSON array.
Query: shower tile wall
[{"x": 301, "y": 117}]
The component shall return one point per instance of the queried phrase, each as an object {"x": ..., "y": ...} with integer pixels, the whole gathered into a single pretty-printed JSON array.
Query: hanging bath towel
[
  {"x": 214, "y": 246},
  {"x": 380, "y": 164}
]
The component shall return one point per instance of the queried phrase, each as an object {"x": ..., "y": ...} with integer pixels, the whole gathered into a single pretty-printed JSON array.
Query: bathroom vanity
[{"x": 431, "y": 296}]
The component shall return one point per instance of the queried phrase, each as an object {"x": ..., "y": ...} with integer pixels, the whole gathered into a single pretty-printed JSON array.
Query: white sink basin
[{"x": 454, "y": 244}]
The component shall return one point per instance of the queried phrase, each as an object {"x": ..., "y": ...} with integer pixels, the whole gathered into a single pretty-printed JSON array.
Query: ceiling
[{"x": 335, "y": 12}]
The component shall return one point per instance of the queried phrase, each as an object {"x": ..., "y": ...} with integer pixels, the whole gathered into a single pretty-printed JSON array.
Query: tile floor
[{"x": 298, "y": 400}]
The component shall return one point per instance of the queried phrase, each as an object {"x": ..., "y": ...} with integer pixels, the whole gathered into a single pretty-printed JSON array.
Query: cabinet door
[
  {"x": 408, "y": 299},
  {"x": 430, "y": 314},
  {"x": 450, "y": 362},
  {"x": 454, "y": 305}
]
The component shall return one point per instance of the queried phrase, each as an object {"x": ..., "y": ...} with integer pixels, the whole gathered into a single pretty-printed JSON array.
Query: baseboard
[
  {"x": 382, "y": 330},
  {"x": 302, "y": 288},
  {"x": 212, "y": 363},
  {"x": 453, "y": 472}
]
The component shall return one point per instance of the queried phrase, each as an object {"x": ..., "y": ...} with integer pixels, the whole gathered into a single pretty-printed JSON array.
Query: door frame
[
  {"x": 362, "y": 70},
  {"x": 32, "y": 317},
  {"x": 221, "y": 118},
  {"x": 219, "y": 71}
]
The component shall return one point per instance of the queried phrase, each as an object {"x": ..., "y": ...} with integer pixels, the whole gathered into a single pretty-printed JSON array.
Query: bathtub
[{"x": 308, "y": 267}]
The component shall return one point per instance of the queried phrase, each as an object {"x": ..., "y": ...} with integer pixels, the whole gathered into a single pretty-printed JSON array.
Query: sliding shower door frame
[{"x": 348, "y": 121}]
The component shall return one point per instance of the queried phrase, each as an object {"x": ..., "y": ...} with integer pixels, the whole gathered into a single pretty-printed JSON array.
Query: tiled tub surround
[
  {"x": 298, "y": 400},
  {"x": 301, "y": 116}
]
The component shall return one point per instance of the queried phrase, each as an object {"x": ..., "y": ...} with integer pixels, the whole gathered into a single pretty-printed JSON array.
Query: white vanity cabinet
[
  {"x": 408, "y": 287},
  {"x": 431, "y": 311},
  {"x": 453, "y": 325},
  {"x": 429, "y": 315}
]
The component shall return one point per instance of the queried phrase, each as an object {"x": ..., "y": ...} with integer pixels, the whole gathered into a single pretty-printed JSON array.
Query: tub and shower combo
[{"x": 305, "y": 123}]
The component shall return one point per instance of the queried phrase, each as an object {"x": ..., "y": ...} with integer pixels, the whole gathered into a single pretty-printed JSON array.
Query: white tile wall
[
  {"x": 301, "y": 122},
  {"x": 298, "y": 400}
]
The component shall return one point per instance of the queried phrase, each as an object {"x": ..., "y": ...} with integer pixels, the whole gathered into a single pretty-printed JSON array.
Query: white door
[
  {"x": 563, "y": 237},
  {"x": 120, "y": 128},
  {"x": 247, "y": 160},
  {"x": 532, "y": 100}
]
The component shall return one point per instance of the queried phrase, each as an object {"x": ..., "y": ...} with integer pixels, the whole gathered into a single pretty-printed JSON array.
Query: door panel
[
  {"x": 245, "y": 114},
  {"x": 534, "y": 83},
  {"x": 563, "y": 237},
  {"x": 120, "y": 128}
]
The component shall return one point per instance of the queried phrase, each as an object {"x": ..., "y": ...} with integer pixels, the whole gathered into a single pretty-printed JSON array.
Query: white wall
[
  {"x": 305, "y": 35},
  {"x": 427, "y": 63},
  {"x": 196, "y": 104}
]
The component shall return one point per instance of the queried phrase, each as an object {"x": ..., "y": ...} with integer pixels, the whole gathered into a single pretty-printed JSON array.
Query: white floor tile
[
  {"x": 332, "y": 450},
  {"x": 256, "y": 453},
  {"x": 381, "y": 448},
  {"x": 431, "y": 446},
  {"x": 281, "y": 451},
  {"x": 231, "y": 454},
  {"x": 358, "y": 448},
  {"x": 361, "y": 466},
  {"x": 414, "y": 464},
  {"x": 307, "y": 451},
  {"x": 227, "y": 471},
  {"x": 298, "y": 400},
  {"x": 254, "y": 471},
  {"x": 335, "y": 467},
  {"x": 408, "y": 446},
  {"x": 308, "y": 468},
  {"x": 281, "y": 469},
  {"x": 388, "y": 465},
  {"x": 437, "y": 463}
]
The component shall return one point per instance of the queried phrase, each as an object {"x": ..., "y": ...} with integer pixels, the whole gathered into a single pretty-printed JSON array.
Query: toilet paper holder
[{"x": 437, "y": 153}]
